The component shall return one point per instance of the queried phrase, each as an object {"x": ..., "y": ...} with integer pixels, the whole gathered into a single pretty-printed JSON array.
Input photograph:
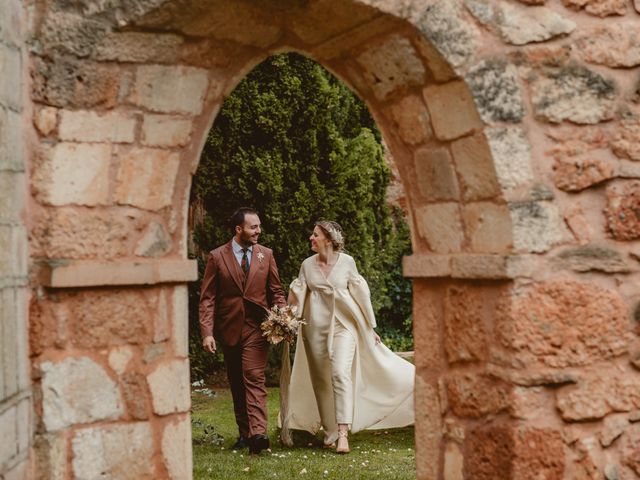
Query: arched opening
[
  {"x": 296, "y": 143},
  {"x": 150, "y": 92}
]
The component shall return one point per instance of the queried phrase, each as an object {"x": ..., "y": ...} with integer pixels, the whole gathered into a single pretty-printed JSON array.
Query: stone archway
[{"x": 122, "y": 98}]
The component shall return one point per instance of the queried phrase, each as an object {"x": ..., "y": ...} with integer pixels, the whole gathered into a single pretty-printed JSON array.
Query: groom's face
[{"x": 249, "y": 232}]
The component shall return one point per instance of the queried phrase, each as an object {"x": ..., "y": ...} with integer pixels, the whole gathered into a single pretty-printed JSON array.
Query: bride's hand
[{"x": 376, "y": 337}]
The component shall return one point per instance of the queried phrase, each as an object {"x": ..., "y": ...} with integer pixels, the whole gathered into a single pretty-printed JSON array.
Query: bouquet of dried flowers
[{"x": 281, "y": 324}]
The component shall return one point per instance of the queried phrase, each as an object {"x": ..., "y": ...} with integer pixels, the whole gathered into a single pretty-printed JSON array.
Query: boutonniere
[{"x": 260, "y": 256}]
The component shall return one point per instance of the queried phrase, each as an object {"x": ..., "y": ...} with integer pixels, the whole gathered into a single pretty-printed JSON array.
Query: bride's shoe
[{"x": 343, "y": 442}]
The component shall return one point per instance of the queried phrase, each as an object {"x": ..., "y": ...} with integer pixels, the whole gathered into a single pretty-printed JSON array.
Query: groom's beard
[{"x": 249, "y": 240}]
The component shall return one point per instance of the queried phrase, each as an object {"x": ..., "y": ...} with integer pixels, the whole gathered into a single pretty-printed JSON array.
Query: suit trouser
[{"x": 246, "y": 363}]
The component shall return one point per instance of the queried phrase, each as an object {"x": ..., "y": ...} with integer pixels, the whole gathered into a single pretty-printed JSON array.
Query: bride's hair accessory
[{"x": 334, "y": 231}]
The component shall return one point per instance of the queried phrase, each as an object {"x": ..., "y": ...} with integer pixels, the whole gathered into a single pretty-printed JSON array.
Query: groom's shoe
[
  {"x": 257, "y": 443},
  {"x": 241, "y": 443}
]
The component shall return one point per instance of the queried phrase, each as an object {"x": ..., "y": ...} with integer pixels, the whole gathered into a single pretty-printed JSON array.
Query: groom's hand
[{"x": 209, "y": 344}]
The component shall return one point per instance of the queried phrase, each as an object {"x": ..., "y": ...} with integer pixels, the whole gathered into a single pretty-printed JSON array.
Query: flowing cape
[{"x": 383, "y": 382}]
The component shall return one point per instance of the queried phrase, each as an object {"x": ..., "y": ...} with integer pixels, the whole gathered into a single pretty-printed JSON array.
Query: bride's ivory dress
[{"x": 382, "y": 381}]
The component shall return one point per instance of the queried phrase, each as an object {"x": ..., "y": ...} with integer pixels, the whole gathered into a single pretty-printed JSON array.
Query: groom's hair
[{"x": 237, "y": 219}]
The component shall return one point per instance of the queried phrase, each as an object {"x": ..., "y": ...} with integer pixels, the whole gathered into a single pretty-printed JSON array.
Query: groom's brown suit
[{"x": 232, "y": 307}]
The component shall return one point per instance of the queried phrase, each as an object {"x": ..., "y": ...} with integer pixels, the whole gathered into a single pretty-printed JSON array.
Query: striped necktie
[{"x": 244, "y": 263}]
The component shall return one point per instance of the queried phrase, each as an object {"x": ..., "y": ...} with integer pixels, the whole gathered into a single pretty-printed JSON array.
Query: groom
[{"x": 240, "y": 284}]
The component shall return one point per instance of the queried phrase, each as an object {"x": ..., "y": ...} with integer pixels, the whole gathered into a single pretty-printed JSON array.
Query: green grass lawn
[{"x": 374, "y": 454}]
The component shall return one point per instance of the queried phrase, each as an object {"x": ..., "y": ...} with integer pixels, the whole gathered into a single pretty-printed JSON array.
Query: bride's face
[{"x": 319, "y": 240}]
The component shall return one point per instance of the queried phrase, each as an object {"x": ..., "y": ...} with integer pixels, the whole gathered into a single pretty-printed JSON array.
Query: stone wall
[
  {"x": 15, "y": 384},
  {"x": 514, "y": 129}
]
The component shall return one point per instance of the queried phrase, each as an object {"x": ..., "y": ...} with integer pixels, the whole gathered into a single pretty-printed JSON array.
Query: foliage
[
  {"x": 298, "y": 145},
  {"x": 208, "y": 434}
]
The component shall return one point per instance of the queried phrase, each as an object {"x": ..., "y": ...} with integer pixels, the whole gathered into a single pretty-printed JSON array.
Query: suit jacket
[{"x": 224, "y": 298}]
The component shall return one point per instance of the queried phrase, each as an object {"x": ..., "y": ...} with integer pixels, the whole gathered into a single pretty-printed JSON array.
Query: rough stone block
[
  {"x": 180, "y": 321},
  {"x": 573, "y": 93},
  {"x": 474, "y": 164},
  {"x": 139, "y": 47},
  {"x": 593, "y": 258},
  {"x": 453, "y": 110},
  {"x": 12, "y": 195},
  {"x": 10, "y": 23},
  {"x": 11, "y": 144},
  {"x": 465, "y": 337},
  {"x": 537, "y": 226},
  {"x": 562, "y": 323},
  {"x": 76, "y": 391},
  {"x": 530, "y": 403},
  {"x": 155, "y": 241},
  {"x": 474, "y": 396},
  {"x": 349, "y": 40},
  {"x": 101, "y": 318},
  {"x": 325, "y": 19},
  {"x": 630, "y": 448},
  {"x": 170, "y": 89},
  {"x": 441, "y": 226},
  {"x": 599, "y": 8},
  {"x": 162, "y": 317},
  {"x": 136, "y": 395},
  {"x": 453, "y": 462},
  {"x": 176, "y": 449},
  {"x": 221, "y": 22},
  {"x": 576, "y": 174},
  {"x": 518, "y": 25},
  {"x": 50, "y": 452},
  {"x": 75, "y": 83},
  {"x": 24, "y": 422},
  {"x": 615, "y": 45},
  {"x": 412, "y": 119},
  {"x": 511, "y": 155},
  {"x": 13, "y": 253},
  {"x": 74, "y": 173},
  {"x": 165, "y": 131},
  {"x": 613, "y": 427},
  {"x": 435, "y": 174},
  {"x": 9, "y": 444},
  {"x": 10, "y": 78},
  {"x": 495, "y": 88},
  {"x": 119, "y": 358},
  {"x": 428, "y": 429},
  {"x": 146, "y": 178},
  {"x": 426, "y": 266},
  {"x": 427, "y": 315},
  {"x": 489, "y": 267},
  {"x": 504, "y": 451},
  {"x": 445, "y": 26},
  {"x": 97, "y": 233},
  {"x": 488, "y": 226},
  {"x": 623, "y": 210},
  {"x": 626, "y": 143},
  {"x": 114, "y": 451},
  {"x": 489, "y": 452},
  {"x": 170, "y": 387},
  {"x": 392, "y": 66},
  {"x": 89, "y": 126}
]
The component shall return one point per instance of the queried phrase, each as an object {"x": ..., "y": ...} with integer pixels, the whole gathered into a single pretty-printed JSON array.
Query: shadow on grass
[{"x": 375, "y": 454}]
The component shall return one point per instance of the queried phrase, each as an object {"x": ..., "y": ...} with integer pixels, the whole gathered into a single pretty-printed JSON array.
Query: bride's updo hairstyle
[{"x": 333, "y": 232}]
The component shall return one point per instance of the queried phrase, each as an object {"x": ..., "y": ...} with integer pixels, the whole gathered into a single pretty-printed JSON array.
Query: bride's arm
[
  {"x": 360, "y": 292},
  {"x": 298, "y": 292}
]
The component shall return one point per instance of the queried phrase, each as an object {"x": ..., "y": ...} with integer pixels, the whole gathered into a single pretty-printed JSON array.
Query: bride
[{"x": 343, "y": 377}]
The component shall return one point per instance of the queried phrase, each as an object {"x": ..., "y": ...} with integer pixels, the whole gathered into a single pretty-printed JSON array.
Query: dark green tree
[{"x": 295, "y": 143}]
